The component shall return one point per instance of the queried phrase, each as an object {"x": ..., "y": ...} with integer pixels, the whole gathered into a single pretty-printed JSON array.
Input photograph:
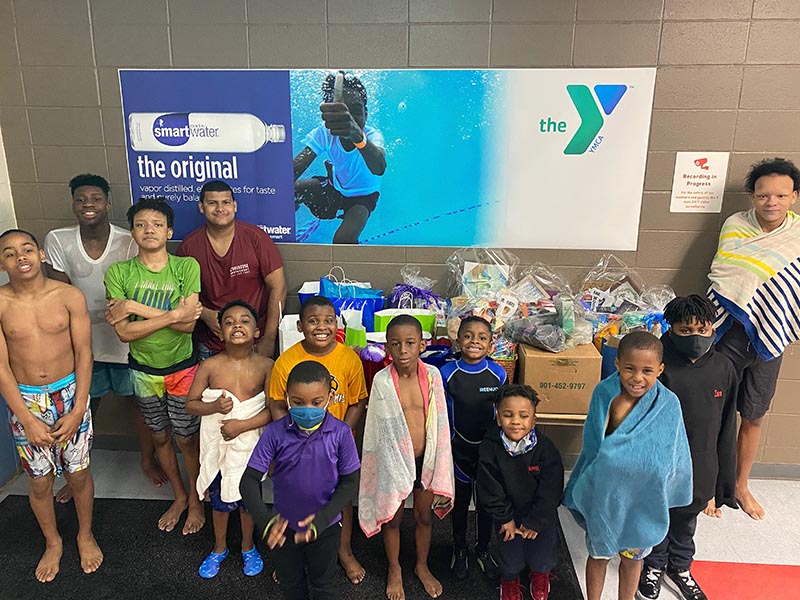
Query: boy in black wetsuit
[
  {"x": 705, "y": 382},
  {"x": 470, "y": 384}
]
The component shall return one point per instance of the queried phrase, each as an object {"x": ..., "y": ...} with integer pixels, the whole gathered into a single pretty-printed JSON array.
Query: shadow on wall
[{"x": 9, "y": 460}]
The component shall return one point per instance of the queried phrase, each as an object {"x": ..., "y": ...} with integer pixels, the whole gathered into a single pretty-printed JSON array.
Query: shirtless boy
[
  {"x": 45, "y": 373},
  {"x": 232, "y": 384},
  {"x": 405, "y": 454}
]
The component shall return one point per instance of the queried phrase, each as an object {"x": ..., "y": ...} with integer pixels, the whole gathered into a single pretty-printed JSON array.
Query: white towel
[{"x": 227, "y": 457}]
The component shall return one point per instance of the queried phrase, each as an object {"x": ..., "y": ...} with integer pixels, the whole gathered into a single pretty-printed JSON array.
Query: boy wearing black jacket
[
  {"x": 705, "y": 382},
  {"x": 520, "y": 483}
]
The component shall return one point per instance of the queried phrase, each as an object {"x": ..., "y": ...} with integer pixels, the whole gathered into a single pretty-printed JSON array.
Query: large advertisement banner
[{"x": 539, "y": 158}]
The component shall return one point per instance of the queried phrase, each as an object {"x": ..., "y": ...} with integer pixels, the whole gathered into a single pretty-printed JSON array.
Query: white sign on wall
[
  {"x": 699, "y": 182},
  {"x": 570, "y": 158}
]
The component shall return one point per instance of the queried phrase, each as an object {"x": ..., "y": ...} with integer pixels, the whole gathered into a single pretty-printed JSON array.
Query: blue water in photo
[{"x": 438, "y": 127}]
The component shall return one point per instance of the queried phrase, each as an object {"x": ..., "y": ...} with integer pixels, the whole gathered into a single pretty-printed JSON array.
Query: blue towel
[{"x": 623, "y": 485}]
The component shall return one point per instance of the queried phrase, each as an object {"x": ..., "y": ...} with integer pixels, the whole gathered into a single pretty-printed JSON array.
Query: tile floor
[{"x": 734, "y": 538}]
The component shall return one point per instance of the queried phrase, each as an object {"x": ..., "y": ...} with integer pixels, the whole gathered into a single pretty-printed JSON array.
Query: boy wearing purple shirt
[{"x": 314, "y": 475}]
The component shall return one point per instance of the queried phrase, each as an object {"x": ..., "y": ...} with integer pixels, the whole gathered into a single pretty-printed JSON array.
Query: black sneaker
[
  {"x": 459, "y": 563},
  {"x": 650, "y": 583},
  {"x": 487, "y": 564},
  {"x": 686, "y": 586}
]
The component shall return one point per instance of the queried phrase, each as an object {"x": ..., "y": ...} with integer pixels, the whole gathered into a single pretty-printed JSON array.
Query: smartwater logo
[
  {"x": 175, "y": 130},
  {"x": 586, "y": 136}
]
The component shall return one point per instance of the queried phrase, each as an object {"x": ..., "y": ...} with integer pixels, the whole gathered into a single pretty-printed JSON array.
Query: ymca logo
[{"x": 586, "y": 136}]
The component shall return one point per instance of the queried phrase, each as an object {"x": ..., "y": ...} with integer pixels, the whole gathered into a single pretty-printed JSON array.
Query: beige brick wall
[{"x": 728, "y": 77}]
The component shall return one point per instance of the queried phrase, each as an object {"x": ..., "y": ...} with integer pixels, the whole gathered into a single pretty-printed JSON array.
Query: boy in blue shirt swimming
[{"x": 356, "y": 160}]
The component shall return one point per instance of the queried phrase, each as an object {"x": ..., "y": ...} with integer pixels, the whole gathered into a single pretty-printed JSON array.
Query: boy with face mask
[
  {"x": 314, "y": 468},
  {"x": 705, "y": 383},
  {"x": 318, "y": 325}
]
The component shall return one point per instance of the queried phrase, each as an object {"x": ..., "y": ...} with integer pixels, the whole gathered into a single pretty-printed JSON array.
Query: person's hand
[
  {"x": 440, "y": 502},
  {"x": 231, "y": 429},
  {"x": 117, "y": 311},
  {"x": 275, "y": 535},
  {"x": 528, "y": 534},
  {"x": 223, "y": 404},
  {"x": 38, "y": 433},
  {"x": 209, "y": 317},
  {"x": 309, "y": 535},
  {"x": 340, "y": 122},
  {"x": 509, "y": 530},
  {"x": 186, "y": 312},
  {"x": 66, "y": 427}
]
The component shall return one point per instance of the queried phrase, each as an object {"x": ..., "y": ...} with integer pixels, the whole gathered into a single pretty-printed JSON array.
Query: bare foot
[
  {"x": 355, "y": 572},
  {"x": 47, "y": 569},
  {"x": 91, "y": 555},
  {"x": 431, "y": 584},
  {"x": 170, "y": 518},
  {"x": 712, "y": 511},
  {"x": 64, "y": 495},
  {"x": 154, "y": 473},
  {"x": 195, "y": 519},
  {"x": 394, "y": 584},
  {"x": 749, "y": 504}
]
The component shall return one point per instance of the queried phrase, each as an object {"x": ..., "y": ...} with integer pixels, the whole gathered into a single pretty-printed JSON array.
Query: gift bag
[
  {"x": 333, "y": 287},
  {"x": 336, "y": 274},
  {"x": 355, "y": 334},
  {"x": 426, "y": 318},
  {"x": 288, "y": 335},
  {"x": 347, "y": 294}
]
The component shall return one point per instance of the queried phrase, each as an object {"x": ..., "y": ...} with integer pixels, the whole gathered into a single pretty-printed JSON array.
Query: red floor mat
[{"x": 741, "y": 581}]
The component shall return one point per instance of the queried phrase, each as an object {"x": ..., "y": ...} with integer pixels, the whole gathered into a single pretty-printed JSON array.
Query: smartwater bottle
[{"x": 201, "y": 132}]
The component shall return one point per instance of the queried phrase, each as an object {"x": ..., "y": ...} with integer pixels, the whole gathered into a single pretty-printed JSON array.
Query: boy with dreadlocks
[
  {"x": 355, "y": 159},
  {"x": 705, "y": 383}
]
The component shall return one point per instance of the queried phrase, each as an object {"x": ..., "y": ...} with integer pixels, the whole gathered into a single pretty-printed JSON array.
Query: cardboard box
[{"x": 563, "y": 381}]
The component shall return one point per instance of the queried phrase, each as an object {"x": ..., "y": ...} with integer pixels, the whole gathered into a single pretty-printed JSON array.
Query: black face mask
[{"x": 693, "y": 346}]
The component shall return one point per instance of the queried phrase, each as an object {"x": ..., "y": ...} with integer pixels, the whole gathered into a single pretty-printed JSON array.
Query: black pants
[
  {"x": 538, "y": 554},
  {"x": 304, "y": 566},
  {"x": 464, "y": 494},
  {"x": 676, "y": 552}
]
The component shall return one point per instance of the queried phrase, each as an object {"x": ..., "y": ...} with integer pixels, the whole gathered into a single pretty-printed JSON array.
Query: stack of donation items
[{"x": 532, "y": 311}]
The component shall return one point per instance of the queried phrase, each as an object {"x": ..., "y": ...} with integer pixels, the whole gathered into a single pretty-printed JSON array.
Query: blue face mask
[{"x": 307, "y": 417}]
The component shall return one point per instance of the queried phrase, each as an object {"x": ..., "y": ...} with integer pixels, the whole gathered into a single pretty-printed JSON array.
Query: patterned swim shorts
[
  {"x": 49, "y": 403},
  {"x": 162, "y": 400}
]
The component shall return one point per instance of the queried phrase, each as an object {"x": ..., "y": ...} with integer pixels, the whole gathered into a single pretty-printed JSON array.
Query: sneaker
[
  {"x": 459, "y": 563},
  {"x": 510, "y": 590},
  {"x": 649, "y": 583},
  {"x": 487, "y": 564},
  {"x": 686, "y": 586},
  {"x": 540, "y": 585}
]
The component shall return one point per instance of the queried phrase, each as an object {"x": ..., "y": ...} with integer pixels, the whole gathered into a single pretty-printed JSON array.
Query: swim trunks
[
  {"x": 215, "y": 496},
  {"x": 162, "y": 401},
  {"x": 110, "y": 377},
  {"x": 49, "y": 403},
  {"x": 327, "y": 204}
]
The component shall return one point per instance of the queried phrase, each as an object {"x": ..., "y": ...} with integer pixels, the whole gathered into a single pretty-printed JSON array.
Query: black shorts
[
  {"x": 758, "y": 378},
  {"x": 332, "y": 200},
  {"x": 418, "y": 464}
]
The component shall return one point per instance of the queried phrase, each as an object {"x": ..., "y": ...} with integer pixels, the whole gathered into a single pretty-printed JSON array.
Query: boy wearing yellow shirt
[{"x": 318, "y": 325}]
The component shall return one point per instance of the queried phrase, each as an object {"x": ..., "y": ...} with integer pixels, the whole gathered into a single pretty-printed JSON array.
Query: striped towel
[{"x": 755, "y": 278}]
